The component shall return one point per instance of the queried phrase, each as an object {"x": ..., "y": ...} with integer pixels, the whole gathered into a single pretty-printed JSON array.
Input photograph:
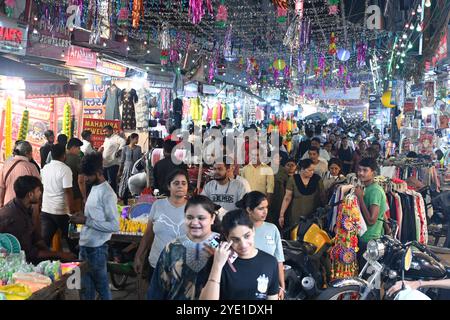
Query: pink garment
[
  {"x": 209, "y": 114},
  {"x": 219, "y": 113},
  {"x": 23, "y": 168}
]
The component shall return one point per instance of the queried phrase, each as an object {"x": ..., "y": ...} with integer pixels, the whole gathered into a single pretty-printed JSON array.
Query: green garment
[
  {"x": 374, "y": 195},
  {"x": 307, "y": 200},
  {"x": 280, "y": 182}
]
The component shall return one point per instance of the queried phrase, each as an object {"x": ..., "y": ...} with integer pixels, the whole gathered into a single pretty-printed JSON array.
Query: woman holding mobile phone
[
  {"x": 252, "y": 276},
  {"x": 182, "y": 268}
]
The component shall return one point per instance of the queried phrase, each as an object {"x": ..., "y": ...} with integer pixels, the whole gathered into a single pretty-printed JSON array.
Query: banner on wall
[
  {"x": 111, "y": 69},
  {"x": 96, "y": 127},
  {"x": 13, "y": 36}
]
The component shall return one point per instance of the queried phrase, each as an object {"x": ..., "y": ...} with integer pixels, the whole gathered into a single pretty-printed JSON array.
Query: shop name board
[
  {"x": 96, "y": 127},
  {"x": 13, "y": 37},
  {"x": 81, "y": 57},
  {"x": 111, "y": 69}
]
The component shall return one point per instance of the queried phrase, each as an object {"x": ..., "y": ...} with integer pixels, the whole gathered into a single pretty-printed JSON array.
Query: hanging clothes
[
  {"x": 128, "y": 111},
  {"x": 111, "y": 100},
  {"x": 142, "y": 109}
]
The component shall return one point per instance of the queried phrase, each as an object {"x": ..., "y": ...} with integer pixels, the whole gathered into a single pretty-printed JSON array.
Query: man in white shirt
[
  {"x": 86, "y": 148},
  {"x": 323, "y": 154},
  {"x": 224, "y": 191},
  {"x": 57, "y": 199},
  {"x": 111, "y": 151},
  {"x": 321, "y": 165},
  {"x": 100, "y": 221}
]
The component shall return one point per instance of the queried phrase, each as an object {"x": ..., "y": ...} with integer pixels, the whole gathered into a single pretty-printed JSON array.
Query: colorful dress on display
[
  {"x": 111, "y": 100},
  {"x": 128, "y": 111}
]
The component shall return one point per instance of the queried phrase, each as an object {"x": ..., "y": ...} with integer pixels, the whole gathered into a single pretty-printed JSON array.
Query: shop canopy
[{"x": 38, "y": 83}]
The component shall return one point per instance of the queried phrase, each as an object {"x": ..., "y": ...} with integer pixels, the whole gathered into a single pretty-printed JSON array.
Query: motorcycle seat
[{"x": 300, "y": 246}]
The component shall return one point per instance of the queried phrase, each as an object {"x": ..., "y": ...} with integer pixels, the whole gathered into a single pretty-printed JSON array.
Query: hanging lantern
[
  {"x": 164, "y": 57},
  {"x": 279, "y": 64},
  {"x": 23, "y": 129},
  {"x": 222, "y": 15},
  {"x": 343, "y": 55},
  {"x": 386, "y": 99},
  {"x": 333, "y": 7},
  {"x": 8, "y": 128}
]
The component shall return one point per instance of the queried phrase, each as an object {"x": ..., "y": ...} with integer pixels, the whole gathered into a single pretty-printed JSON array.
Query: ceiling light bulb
[
  {"x": 419, "y": 9},
  {"x": 403, "y": 45},
  {"x": 428, "y": 3},
  {"x": 419, "y": 28},
  {"x": 411, "y": 27},
  {"x": 405, "y": 36},
  {"x": 410, "y": 46}
]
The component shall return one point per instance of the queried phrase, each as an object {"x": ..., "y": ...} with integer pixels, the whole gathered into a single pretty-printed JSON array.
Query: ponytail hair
[{"x": 251, "y": 200}]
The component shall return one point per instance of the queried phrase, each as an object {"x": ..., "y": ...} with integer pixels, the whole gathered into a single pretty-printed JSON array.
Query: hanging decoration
[
  {"x": 228, "y": 47},
  {"x": 252, "y": 70},
  {"x": 362, "y": 52},
  {"x": 281, "y": 3},
  {"x": 209, "y": 7},
  {"x": 333, "y": 7},
  {"x": 137, "y": 13},
  {"x": 343, "y": 253},
  {"x": 196, "y": 10},
  {"x": 94, "y": 37},
  {"x": 281, "y": 15},
  {"x": 164, "y": 43},
  {"x": 279, "y": 64},
  {"x": 122, "y": 16},
  {"x": 332, "y": 50},
  {"x": 9, "y": 7},
  {"x": 23, "y": 129},
  {"x": 67, "y": 121},
  {"x": 175, "y": 50},
  {"x": 8, "y": 128},
  {"x": 222, "y": 15}
]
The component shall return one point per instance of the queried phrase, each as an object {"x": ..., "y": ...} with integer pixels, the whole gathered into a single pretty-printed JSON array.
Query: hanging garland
[
  {"x": 332, "y": 50},
  {"x": 164, "y": 44},
  {"x": 23, "y": 129},
  {"x": 8, "y": 128},
  {"x": 138, "y": 11},
  {"x": 196, "y": 10},
  {"x": 67, "y": 121},
  {"x": 122, "y": 16}
]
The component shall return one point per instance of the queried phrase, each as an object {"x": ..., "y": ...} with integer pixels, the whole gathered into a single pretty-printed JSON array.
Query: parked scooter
[
  {"x": 307, "y": 264},
  {"x": 385, "y": 266}
]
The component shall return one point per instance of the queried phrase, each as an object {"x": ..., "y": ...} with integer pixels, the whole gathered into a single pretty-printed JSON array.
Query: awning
[{"x": 38, "y": 83}]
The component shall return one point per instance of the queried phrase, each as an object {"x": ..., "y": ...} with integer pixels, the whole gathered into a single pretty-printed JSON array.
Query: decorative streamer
[
  {"x": 228, "y": 47},
  {"x": 209, "y": 7},
  {"x": 8, "y": 128},
  {"x": 362, "y": 51},
  {"x": 332, "y": 50},
  {"x": 138, "y": 11},
  {"x": 196, "y": 10}
]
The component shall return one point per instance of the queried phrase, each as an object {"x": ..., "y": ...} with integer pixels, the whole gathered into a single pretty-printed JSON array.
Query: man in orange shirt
[{"x": 18, "y": 166}]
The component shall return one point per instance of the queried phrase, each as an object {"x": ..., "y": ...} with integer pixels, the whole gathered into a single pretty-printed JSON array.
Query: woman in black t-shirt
[{"x": 253, "y": 275}]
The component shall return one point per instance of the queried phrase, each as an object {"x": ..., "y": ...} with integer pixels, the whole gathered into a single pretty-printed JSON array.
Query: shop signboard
[
  {"x": 13, "y": 36},
  {"x": 111, "y": 69},
  {"x": 40, "y": 89},
  {"x": 81, "y": 57},
  {"x": 96, "y": 127}
]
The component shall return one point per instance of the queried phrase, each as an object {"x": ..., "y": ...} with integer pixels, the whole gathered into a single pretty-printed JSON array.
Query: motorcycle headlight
[{"x": 375, "y": 249}]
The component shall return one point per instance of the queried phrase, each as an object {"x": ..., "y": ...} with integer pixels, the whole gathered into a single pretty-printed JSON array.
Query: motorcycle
[
  {"x": 307, "y": 265},
  {"x": 439, "y": 224},
  {"x": 385, "y": 266}
]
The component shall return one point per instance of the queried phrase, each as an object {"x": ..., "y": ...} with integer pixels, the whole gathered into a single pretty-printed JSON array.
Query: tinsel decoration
[
  {"x": 281, "y": 15},
  {"x": 332, "y": 50},
  {"x": 299, "y": 8},
  {"x": 122, "y": 16},
  {"x": 9, "y": 7},
  {"x": 333, "y": 7},
  {"x": 67, "y": 121},
  {"x": 222, "y": 15},
  {"x": 209, "y": 7},
  {"x": 345, "y": 248},
  {"x": 164, "y": 37},
  {"x": 23, "y": 129},
  {"x": 212, "y": 67},
  {"x": 137, "y": 13},
  {"x": 228, "y": 53},
  {"x": 362, "y": 52},
  {"x": 252, "y": 70},
  {"x": 175, "y": 50},
  {"x": 196, "y": 11},
  {"x": 8, "y": 128},
  {"x": 281, "y": 3}
]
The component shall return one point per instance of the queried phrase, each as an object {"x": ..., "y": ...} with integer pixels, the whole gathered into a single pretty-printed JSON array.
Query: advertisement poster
[
  {"x": 409, "y": 107},
  {"x": 13, "y": 36},
  {"x": 429, "y": 95},
  {"x": 96, "y": 127},
  {"x": 93, "y": 100}
]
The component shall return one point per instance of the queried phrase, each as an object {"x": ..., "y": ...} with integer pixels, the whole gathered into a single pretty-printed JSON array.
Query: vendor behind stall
[{"x": 16, "y": 219}]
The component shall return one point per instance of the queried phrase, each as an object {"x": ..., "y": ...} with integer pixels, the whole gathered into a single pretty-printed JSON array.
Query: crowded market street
[{"x": 219, "y": 150}]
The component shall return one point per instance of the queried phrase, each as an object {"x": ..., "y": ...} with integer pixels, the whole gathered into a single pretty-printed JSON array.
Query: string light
[
  {"x": 428, "y": 3},
  {"x": 419, "y": 28},
  {"x": 419, "y": 9}
]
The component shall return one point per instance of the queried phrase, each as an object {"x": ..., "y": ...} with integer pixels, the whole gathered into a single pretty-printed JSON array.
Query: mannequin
[{"x": 111, "y": 100}]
